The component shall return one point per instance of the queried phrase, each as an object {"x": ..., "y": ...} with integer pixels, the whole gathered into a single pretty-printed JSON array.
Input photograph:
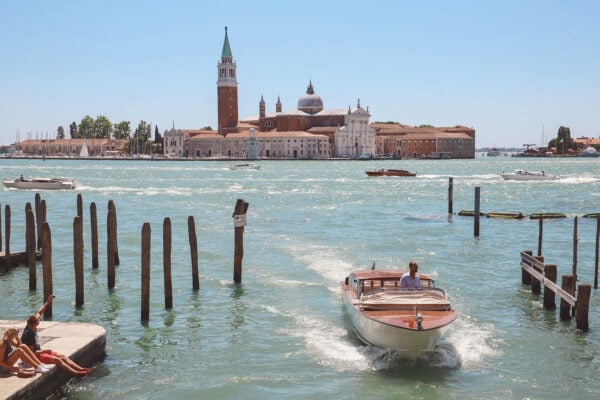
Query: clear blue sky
[{"x": 508, "y": 68}]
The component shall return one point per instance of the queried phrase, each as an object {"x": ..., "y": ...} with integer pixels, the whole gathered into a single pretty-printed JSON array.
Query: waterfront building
[{"x": 71, "y": 147}]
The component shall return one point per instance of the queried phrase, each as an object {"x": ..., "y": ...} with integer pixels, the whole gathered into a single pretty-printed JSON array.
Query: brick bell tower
[{"x": 227, "y": 91}]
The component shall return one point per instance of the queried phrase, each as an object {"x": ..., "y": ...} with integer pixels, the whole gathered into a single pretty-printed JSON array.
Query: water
[{"x": 282, "y": 333}]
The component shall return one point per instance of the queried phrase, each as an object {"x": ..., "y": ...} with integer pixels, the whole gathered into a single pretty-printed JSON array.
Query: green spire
[{"x": 226, "y": 48}]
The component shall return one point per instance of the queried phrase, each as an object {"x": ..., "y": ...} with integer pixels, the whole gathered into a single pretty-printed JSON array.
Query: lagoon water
[{"x": 281, "y": 334}]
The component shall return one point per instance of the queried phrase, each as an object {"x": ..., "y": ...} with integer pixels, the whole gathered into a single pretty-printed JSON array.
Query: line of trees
[{"x": 102, "y": 128}]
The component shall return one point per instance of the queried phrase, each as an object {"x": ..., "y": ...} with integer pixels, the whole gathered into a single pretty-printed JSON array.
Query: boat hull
[
  {"x": 377, "y": 333},
  {"x": 521, "y": 175},
  {"x": 390, "y": 172},
  {"x": 40, "y": 184}
]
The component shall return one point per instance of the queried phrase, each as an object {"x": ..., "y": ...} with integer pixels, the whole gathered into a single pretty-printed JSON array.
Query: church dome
[{"x": 310, "y": 103}]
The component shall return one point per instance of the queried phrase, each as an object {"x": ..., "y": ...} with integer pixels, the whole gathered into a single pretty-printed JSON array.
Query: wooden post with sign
[{"x": 239, "y": 221}]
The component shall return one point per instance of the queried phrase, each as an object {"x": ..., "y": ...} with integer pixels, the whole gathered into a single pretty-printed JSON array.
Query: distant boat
[
  {"x": 494, "y": 152},
  {"x": 245, "y": 166},
  {"x": 522, "y": 175},
  {"x": 589, "y": 152},
  {"x": 40, "y": 183},
  {"x": 390, "y": 172}
]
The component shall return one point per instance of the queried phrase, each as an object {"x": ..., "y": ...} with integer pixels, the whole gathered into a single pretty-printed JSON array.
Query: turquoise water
[{"x": 282, "y": 333}]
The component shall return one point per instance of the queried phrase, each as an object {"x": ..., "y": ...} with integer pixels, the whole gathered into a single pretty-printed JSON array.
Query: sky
[{"x": 515, "y": 71}]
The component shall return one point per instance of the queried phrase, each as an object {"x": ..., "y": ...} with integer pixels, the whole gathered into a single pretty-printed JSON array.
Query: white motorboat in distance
[
  {"x": 522, "y": 175},
  {"x": 384, "y": 315},
  {"x": 245, "y": 166},
  {"x": 40, "y": 183}
]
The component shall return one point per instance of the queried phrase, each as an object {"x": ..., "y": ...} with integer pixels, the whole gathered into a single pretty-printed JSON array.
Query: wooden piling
[
  {"x": 111, "y": 241},
  {"x": 550, "y": 273},
  {"x": 525, "y": 276},
  {"x": 167, "y": 263},
  {"x": 536, "y": 285},
  {"x": 0, "y": 229},
  {"x": 568, "y": 285},
  {"x": 596, "y": 258},
  {"x": 38, "y": 220},
  {"x": 540, "y": 235},
  {"x": 450, "y": 194},
  {"x": 46, "y": 241},
  {"x": 30, "y": 246},
  {"x": 239, "y": 219},
  {"x": 80, "y": 207},
  {"x": 583, "y": 305},
  {"x": 7, "y": 236},
  {"x": 477, "y": 211},
  {"x": 145, "y": 303},
  {"x": 78, "y": 260},
  {"x": 575, "y": 240},
  {"x": 193, "y": 252},
  {"x": 94, "y": 228},
  {"x": 113, "y": 208}
]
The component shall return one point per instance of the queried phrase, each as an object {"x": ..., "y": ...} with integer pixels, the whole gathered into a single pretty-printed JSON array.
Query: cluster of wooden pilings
[
  {"x": 43, "y": 248},
  {"x": 535, "y": 273}
]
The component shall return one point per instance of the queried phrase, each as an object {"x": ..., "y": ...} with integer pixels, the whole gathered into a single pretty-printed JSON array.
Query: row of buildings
[{"x": 310, "y": 131}]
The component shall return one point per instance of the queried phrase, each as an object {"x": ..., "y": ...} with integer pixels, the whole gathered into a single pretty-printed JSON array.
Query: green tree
[
  {"x": 206, "y": 128},
  {"x": 563, "y": 141},
  {"x": 425, "y": 126},
  {"x": 140, "y": 137},
  {"x": 86, "y": 127},
  {"x": 73, "y": 131},
  {"x": 60, "y": 132},
  {"x": 102, "y": 127},
  {"x": 122, "y": 130}
]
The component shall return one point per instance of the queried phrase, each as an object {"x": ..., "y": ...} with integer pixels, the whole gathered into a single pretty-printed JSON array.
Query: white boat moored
[
  {"x": 522, "y": 175},
  {"x": 245, "y": 166}
]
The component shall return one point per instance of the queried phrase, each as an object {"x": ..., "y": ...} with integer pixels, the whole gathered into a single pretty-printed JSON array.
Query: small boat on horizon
[
  {"x": 522, "y": 175},
  {"x": 385, "y": 315},
  {"x": 244, "y": 166},
  {"x": 40, "y": 183},
  {"x": 390, "y": 172}
]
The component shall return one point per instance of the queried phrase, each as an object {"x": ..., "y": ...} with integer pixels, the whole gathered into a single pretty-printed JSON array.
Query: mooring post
[
  {"x": 525, "y": 276},
  {"x": 167, "y": 263},
  {"x": 80, "y": 207},
  {"x": 239, "y": 221},
  {"x": 38, "y": 219},
  {"x": 575, "y": 240},
  {"x": 540, "y": 235},
  {"x": 30, "y": 246},
  {"x": 583, "y": 305},
  {"x": 536, "y": 285},
  {"x": 0, "y": 228},
  {"x": 78, "y": 260},
  {"x": 113, "y": 208},
  {"x": 110, "y": 248},
  {"x": 568, "y": 285},
  {"x": 193, "y": 252},
  {"x": 476, "y": 215},
  {"x": 596, "y": 259},
  {"x": 450, "y": 194},
  {"x": 46, "y": 239},
  {"x": 7, "y": 236},
  {"x": 94, "y": 228},
  {"x": 549, "y": 295},
  {"x": 146, "y": 232}
]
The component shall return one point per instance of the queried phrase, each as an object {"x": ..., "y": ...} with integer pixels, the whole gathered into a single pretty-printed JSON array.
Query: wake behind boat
[
  {"x": 40, "y": 183},
  {"x": 383, "y": 314},
  {"x": 390, "y": 172},
  {"x": 522, "y": 175}
]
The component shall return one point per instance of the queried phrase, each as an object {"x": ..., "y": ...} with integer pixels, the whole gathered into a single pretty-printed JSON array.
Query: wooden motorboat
[
  {"x": 40, "y": 183},
  {"x": 390, "y": 172},
  {"x": 521, "y": 175},
  {"x": 245, "y": 166},
  {"x": 384, "y": 315}
]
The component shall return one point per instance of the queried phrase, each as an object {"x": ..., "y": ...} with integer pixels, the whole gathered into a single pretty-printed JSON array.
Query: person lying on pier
[
  {"x": 11, "y": 350},
  {"x": 47, "y": 356},
  {"x": 411, "y": 280}
]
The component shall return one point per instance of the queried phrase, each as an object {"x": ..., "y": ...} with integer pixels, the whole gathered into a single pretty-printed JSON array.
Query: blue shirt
[{"x": 408, "y": 281}]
